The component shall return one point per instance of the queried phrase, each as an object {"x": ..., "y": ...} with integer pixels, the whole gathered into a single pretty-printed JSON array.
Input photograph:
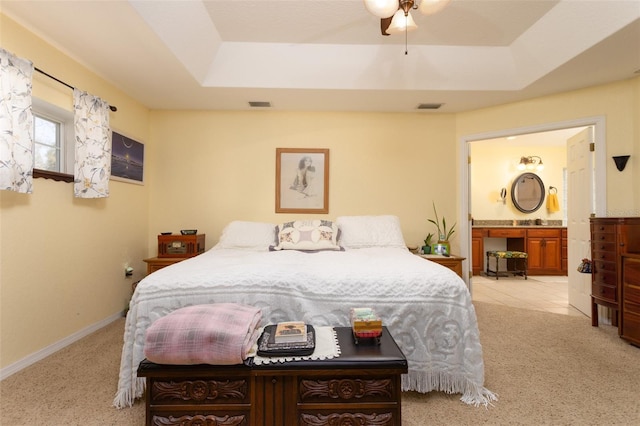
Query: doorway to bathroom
[{"x": 552, "y": 140}]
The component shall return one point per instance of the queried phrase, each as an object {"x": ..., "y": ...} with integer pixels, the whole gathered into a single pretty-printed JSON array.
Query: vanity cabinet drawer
[
  {"x": 507, "y": 233},
  {"x": 544, "y": 233}
]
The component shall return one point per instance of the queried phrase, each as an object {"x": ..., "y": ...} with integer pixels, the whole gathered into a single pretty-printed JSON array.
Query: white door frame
[{"x": 600, "y": 172}]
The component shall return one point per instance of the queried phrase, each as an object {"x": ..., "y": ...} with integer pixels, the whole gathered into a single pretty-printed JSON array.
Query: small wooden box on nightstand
[
  {"x": 180, "y": 245},
  {"x": 452, "y": 262}
]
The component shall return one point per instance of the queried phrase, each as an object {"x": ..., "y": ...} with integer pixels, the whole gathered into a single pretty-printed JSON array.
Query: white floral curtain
[
  {"x": 16, "y": 123},
  {"x": 93, "y": 146}
]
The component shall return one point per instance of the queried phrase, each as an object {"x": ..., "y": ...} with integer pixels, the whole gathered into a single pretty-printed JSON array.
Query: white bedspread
[{"x": 426, "y": 307}]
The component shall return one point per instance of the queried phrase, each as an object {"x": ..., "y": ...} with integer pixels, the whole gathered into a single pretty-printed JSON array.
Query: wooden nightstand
[
  {"x": 155, "y": 263},
  {"x": 452, "y": 262}
]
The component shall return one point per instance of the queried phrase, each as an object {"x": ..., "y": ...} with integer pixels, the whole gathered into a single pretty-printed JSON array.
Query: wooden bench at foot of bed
[{"x": 361, "y": 385}]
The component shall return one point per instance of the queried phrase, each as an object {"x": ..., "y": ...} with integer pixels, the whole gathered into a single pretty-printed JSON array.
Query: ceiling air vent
[
  {"x": 260, "y": 104},
  {"x": 429, "y": 106}
]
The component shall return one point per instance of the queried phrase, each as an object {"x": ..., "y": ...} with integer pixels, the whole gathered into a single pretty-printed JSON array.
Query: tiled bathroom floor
[{"x": 542, "y": 293}]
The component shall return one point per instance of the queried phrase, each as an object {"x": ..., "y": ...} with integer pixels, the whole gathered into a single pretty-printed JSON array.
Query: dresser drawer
[
  {"x": 604, "y": 265},
  {"x": 199, "y": 417},
  {"x": 606, "y": 277},
  {"x": 600, "y": 237},
  {"x": 604, "y": 246},
  {"x": 631, "y": 282},
  {"x": 506, "y": 233},
  {"x": 347, "y": 389},
  {"x": 632, "y": 294},
  {"x": 603, "y": 228},
  {"x": 631, "y": 322},
  {"x": 221, "y": 390},
  {"x": 369, "y": 416},
  {"x": 606, "y": 292}
]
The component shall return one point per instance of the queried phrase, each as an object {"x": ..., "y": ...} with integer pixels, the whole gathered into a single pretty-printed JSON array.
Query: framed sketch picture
[
  {"x": 302, "y": 180},
  {"x": 127, "y": 159}
]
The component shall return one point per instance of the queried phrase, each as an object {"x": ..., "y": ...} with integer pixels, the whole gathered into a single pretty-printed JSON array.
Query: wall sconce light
[
  {"x": 531, "y": 162},
  {"x": 621, "y": 161}
]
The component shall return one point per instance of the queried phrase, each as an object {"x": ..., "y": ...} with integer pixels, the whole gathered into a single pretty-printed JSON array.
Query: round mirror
[{"x": 527, "y": 192}]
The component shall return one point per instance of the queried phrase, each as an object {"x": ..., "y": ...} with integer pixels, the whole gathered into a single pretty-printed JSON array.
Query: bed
[{"x": 316, "y": 271}]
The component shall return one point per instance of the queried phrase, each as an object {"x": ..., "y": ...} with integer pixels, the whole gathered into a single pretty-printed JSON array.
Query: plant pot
[{"x": 426, "y": 249}]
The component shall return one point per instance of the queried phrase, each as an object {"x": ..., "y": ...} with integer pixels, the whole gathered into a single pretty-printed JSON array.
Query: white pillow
[
  {"x": 308, "y": 235},
  {"x": 370, "y": 231},
  {"x": 248, "y": 235}
]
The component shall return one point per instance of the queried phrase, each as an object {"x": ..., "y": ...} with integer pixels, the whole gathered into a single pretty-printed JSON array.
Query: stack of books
[
  {"x": 290, "y": 332},
  {"x": 291, "y": 338}
]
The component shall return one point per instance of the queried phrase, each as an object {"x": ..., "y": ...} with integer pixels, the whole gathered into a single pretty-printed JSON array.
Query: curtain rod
[{"x": 111, "y": 107}]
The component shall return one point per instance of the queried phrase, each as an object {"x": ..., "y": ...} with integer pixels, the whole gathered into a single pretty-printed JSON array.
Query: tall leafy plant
[{"x": 444, "y": 234}]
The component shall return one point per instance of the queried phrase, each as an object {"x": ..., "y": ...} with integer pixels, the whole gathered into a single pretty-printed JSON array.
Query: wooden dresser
[
  {"x": 615, "y": 252},
  {"x": 361, "y": 386},
  {"x": 630, "y": 299}
]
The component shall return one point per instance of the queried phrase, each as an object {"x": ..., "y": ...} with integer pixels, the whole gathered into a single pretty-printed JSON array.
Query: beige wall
[
  {"x": 210, "y": 168},
  {"x": 62, "y": 259},
  {"x": 617, "y": 102},
  {"x": 494, "y": 167}
]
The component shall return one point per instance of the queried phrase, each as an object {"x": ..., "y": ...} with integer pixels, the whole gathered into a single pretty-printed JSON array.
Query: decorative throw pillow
[
  {"x": 247, "y": 235},
  {"x": 307, "y": 235},
  {"x": 370, "y": 231}
]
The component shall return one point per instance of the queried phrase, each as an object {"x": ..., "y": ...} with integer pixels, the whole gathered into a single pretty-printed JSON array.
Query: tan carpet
[{"x": 547, "y": 369}]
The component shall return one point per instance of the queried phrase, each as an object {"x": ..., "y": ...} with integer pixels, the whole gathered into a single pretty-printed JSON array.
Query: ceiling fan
[{"x": 394, "y": 14}]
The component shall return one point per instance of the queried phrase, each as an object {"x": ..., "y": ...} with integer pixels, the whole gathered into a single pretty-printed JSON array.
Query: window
[
  {"x": 53, "y": 141},
  {"x": 47, "y": 146}
]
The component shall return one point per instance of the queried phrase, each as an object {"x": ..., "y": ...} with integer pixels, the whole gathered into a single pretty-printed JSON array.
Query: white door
[{"x": 580, "y": 206}]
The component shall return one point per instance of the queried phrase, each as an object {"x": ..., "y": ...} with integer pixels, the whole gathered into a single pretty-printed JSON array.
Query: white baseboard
[{"x": 51, "y": 349}]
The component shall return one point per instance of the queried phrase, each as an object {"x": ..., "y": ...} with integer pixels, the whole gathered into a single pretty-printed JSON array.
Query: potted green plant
[
  {"x": 444, "y": 233},
  {"x": 426, "y": 248}
]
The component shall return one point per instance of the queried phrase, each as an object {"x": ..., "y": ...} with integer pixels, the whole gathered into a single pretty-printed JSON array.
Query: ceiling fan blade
[{"x": 384, "y": 24}]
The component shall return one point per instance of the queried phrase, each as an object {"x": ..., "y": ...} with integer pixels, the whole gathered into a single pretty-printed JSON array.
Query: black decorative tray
[{"x": 267, "y": 346}]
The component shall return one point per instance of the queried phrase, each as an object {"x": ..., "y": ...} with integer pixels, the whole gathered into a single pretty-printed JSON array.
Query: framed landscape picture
[
  {"x": 127, "y": 159},
  {"x": 302, "y": 180}
]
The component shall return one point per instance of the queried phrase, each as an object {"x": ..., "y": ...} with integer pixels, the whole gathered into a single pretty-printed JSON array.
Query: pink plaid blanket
[{"x": 219, "y": 333}]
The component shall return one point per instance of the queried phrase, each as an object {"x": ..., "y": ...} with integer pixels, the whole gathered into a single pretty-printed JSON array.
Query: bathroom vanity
[{"x": 545, "y": 245}]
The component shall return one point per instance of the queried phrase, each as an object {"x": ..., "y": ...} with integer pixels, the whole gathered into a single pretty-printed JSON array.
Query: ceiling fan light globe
[
  {"x": 401, "y": 23},
  {"x": 382, "y": 8},
  {"x": 429, "y": 7}
]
